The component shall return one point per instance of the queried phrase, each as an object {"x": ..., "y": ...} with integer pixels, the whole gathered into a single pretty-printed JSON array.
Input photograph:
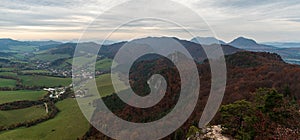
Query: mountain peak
[
  {"x": 7, "y": 42},
  {"x": 242, "y": 42},
  {"x": 249, "y": 44},
  {"x": 7, "y": 39},
  {"x": 245, "y": 39}
]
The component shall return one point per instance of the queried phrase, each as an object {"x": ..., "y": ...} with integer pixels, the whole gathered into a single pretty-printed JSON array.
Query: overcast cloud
[{"x": 268, "y": 20}]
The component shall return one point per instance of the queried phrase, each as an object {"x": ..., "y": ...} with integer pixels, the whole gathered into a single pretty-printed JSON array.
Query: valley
[
  {"x": 149, "y": 70},
  {"x": 30, "y": 73}
]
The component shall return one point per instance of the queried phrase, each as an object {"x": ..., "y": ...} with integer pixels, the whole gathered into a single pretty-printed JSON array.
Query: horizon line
[{"x": 122, "y": 40}]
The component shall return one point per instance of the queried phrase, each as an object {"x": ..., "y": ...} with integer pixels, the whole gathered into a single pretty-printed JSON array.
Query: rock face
[{"x": 213, "y": 132}]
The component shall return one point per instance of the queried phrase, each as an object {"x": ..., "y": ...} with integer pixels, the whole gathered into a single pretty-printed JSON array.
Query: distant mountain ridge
[
  {"x": 207, "y": 40},
  {"x": 196, "y": 50},
  {"x": 290, "y": 55},
  {"x": 7, "y": 43},
  {"x": 12, "y": 42},
  {"x": 240, "y": 42},
  {"x": 290, "y": 52},
  {"x": 284, "y": 44},
  {"x": 249, "y": 44},
  {"x": 43, "y": 43},
  {"x": 10, "y": 47}
]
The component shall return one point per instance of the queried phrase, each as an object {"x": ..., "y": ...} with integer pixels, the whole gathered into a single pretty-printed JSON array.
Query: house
[
  {"x": 49, "y": 89},
  {"x": 56, "y": 92}
]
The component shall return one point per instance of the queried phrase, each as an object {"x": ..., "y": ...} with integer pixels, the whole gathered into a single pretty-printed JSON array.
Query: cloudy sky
[{"x": 263, "y": 20}]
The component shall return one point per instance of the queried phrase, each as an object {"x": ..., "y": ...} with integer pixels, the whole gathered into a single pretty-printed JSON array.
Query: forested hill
[{"x": 247, "y": 72}]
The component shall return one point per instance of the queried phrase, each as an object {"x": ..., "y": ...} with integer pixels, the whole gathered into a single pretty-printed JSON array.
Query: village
[{"x": 55, "y": 92}]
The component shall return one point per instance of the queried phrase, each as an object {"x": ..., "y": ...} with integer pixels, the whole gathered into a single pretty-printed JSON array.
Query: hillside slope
[{"x": 247, "y": 71}]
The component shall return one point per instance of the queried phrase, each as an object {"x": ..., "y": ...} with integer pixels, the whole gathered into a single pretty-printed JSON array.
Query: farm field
[
  {"x": 50, "y": 57},
  {"x": 7, "y": 69},
  {"x": 7, "y": 83},
  {"x": 47, "y": 81},
  {"x": 11, "y": 96},
  {"x": 12, "y": 74},
  {"x": 69, "y": 124},
  {"x": 35, "y": 72},
  {"x": 103, "y": 65},
  {"x": 21, "y": 115},
  {"x": 80, "y": 60},
  {"x": 23, "y": 48},
  {"x": 104, "y": 85}
]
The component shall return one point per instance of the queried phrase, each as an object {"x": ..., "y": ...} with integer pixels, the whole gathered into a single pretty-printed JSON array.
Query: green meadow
[
  {"x": 7, "y": 69},
  {"x": 47, "y": 81},
  {"x": 11, "y": 96},
  {"x": 103, "y": 65},
  {"x": 35, "y": 72},
  {"x": 105, "y": 87},
  {"x": 7, "y": 83},
  {"x": 21, "y": 115},
  {"x": 12, "y": 74},
  {"x": 50, "y": 57},
  {"x": 69, "y": 124}
]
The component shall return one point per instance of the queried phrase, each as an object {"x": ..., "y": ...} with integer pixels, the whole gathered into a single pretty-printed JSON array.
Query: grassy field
[
  {"x": 12, "y": 74},
  {"x": 7, "y": 83},
  {"x": 35, "y": 72},
  {"x": 10, "y": 96},
  {"x": 47, "y": 81},
  {"x": 7, "y": 69},
  {"x": 105, "y": 86},
  {"x": 50, "y": 57},
  {"x": 103, "y": 65},
  {"x": 69, "y": 124},
  {"x": 23, "y": 48},
  {"x": 80, "y": 60},
  {"x": 21, "y": 115}
]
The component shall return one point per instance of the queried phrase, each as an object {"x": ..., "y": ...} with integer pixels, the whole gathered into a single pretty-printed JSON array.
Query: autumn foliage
[{"x": 246, "y": 72}]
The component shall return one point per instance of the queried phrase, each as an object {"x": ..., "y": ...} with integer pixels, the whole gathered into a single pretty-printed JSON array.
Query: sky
[{"x": 262, "y": 20}]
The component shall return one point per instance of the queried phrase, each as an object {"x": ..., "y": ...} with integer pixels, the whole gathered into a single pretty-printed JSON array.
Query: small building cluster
[
  {"x": 55, "y": 92},
  {"x": 84, "y": 75}
]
